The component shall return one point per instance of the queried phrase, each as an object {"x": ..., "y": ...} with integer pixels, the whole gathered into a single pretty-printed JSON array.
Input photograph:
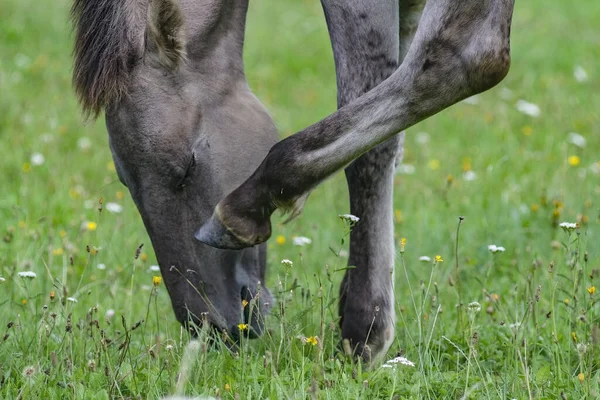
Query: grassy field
[{"x": 92, "y": 324}]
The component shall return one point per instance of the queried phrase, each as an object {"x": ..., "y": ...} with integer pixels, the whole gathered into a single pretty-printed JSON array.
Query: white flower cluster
[
  {"x": 352, "y": 219},
  {"x": 398, "y": 360},
  {"x": 496, "y": 249},
  {"x": 301, "y": 241},
  {"x": 568, "y": 226},
  {"x": 286, "y": 262},
  {"x": 27, "y": 274}
]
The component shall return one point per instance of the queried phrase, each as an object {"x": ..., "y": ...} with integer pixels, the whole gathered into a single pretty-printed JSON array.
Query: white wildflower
[
  {"x": 2, "y": 279},
  {"x": 169, "y": 347},
  {"x": 352, "y": 219},
  {"x": 399, "y": 360},
  {"x": 27, "y": 274},
  {"x": 301, "y": 241},
  {"x": 286, "y": 262},
  {"x": 113, "y": 207},
  {"x": 474, "y": 307},
  {"x": 37, "y": 159},
  {"x": 469, "y": 175},
  {"x": 568, "y": 226},
  {"x": 84, "y": 143},
  {"x": 425, "y": 259},
  {"x": 101, "y": 266},
  {"x": 580, "y": 74},
  {"x": 473, "y": 100},
  {"x": 109, "y": 313},
  {"x": 505, "y": 93},
  {"x": 154, "y": 268},
  {"x": 576, "y": 139},
  {"x": 72, "y": 299},
  {"x": 343, "y": 253},
  {"x": 405, "y": 169},
  {"x": 527, "y": 108},
  {"x": 387, "y": 366},
  {"x": 496, "y": 249},
  {"x": 422, "y": 138}
]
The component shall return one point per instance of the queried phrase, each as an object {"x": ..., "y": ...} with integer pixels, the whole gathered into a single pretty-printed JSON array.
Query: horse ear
[{"x": 165, "y": 32}]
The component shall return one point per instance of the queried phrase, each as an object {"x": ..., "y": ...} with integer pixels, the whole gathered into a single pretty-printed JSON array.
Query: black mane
[{"x": 104, "y": 52}]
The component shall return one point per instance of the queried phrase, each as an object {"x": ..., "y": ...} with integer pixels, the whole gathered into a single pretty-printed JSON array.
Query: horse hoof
[{"x": 215, "y": 234}]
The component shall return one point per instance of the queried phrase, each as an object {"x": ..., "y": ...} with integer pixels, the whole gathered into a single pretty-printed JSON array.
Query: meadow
[{"x": 84, "y": 314}]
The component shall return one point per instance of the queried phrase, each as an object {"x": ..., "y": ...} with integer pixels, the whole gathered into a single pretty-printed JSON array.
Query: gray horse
[{"x": 186, "y": 131}]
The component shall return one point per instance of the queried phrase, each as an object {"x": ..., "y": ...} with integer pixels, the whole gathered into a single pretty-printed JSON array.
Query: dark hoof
[{"x": 215, "y": 234}]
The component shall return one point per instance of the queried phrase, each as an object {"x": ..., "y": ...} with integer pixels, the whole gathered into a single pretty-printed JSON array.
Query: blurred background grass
[{"x": 526, "y": 175}]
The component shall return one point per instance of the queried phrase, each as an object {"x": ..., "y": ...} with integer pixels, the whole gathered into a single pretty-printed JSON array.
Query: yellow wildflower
[
  {"x": 591, "y": 290},
  {"x": 244, "y": 303},
  {"x": 312, "y": 340},
  {"x": 574, "y": 336},
  {"x": 143, "y": 256},
  {"x": 26, "y": 167},
  {"x": 466, "y": 165},
  {"x": 62, "y": 233},
  {"x": 227, "y": 387},
  {"x": 280, "y": 240},
  {"x": 156, "y": 280},
  {"x": 91, "y": 226},
  {"x": 242, "y": 327},
  {"x": 22, "y": 224},
  {"x": 495, "y": 297},
  {"x": 581, "y": 377},
  {"x": 24, "y": 302},
  {"x": 535, "y": 208},
  {"x": 119, "y": 195},
  {"x": 433, "y": 164},
  {"x": 58, "y": 252},
  {"x": 398, "y": 216},
  {"x": 573, "y": 161},
  {"x": 110, "y": 166},
  {"x": 52, "y": 295},
  {"x": 449, "y": 179},
  {"x": 527, "y": 130},
  {"x": 567, "y": 301},
  {"x": 402, "y": 244},
  {"x": 439, "y": 259}
]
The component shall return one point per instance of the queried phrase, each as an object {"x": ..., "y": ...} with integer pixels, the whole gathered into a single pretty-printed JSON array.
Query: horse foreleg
[{"x": 461, "y": 47}]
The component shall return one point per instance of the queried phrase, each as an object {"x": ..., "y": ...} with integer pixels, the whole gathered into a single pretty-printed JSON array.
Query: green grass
[{"x": 528, "y": 339}]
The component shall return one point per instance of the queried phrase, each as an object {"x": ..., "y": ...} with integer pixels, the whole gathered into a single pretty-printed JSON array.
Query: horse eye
[{"x": 186, "y": 177}]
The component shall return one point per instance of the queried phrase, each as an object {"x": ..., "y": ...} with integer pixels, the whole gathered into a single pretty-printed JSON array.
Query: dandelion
[
  {"x": 302, "y": 241},
  {"x": 242, "y": 327},
  {"x": 581, "y": 377},
  {"x": 28, "y": 372},
  {"x": 143, "y": 257},
  {"x": 527, "y": 108},
  {"x": 72, "y": 299},
  {"x": 26, "y": 167},
  {"x": 280, "y": 240},
  {"x": 244, "y": 303},
  {"x": 573, "y": 161},
  {"x": 227, "y": 387},
  {"x": 399, "y": 360},
  {"x": 527, "y": 130},
  {"x": 535, "y": 208},
  {"x": 37, "y": 159},
  {"x": 591, "y": 290},
  {"x": 567, "y": 301},
  {"x": 154, "y": 268},
  {"x": 114, "y": 208},
  {"x": 156, "y": 280},
  {"x": 496, "y": 249},
  {"x": 580, "y": 74},
  {"x": 90, "y": 226},
  {"x": 349, "y": 218},
  {"x": 438, "y": 259},
  {"x": 402, "y": 244},
  {"x": 58, "y": 252},
  {"x": 312, "y": 340},
  {"x": 24, "y": 302},
  {"x": 27, "y": 274},
  {"x": 425, "y": 259},
  {"x": 287, "y": 263}
]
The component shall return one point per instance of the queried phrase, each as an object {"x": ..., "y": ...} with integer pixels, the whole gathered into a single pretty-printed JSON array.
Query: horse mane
[{"x": 104, "y": 52}]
